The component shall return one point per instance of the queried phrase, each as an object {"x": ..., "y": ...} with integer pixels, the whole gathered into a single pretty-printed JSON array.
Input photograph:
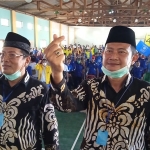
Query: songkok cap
[
  {"x": 17, "y": 41},
  {"x": 121, "y": 34}
]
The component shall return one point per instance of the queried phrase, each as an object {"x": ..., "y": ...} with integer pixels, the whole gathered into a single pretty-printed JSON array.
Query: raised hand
[{"x": 55, "y": 56}]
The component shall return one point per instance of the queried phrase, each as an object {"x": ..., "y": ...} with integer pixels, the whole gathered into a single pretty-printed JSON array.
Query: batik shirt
[
  {"x": 128, "y": 122},
  {"x": 28, "y": 115}
]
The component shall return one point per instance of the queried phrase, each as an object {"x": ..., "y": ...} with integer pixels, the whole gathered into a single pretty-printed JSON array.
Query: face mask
[
  {"x": 115, "y": 74},
  {"x": 14, "y": 76}
]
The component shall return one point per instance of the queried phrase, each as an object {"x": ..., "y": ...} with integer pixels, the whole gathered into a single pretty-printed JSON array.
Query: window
[
  {"x": 46, "y": 29},
  {"x": 30, "y": 26},
  {"x": 19, "y": 24},
  {"x": 39, "y": 27},
  {"x": 42, "y": 43},
  {"x": 4, "y": 22}
]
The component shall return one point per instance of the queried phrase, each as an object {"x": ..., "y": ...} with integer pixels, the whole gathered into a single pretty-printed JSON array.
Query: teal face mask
[
  {"x": 115, "y": 74},
  {"x": 13, "y": 76}
]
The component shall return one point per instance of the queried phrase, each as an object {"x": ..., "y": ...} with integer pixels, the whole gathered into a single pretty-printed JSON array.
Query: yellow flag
[
  {"x": 88, "y": 54},
  {"x": 92, "y": 50},
  {"x": 147, "y": 39}
]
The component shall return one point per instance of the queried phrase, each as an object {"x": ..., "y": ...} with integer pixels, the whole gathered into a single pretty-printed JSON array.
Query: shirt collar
[
  {"x": 24, "y": 81},
  {"x": 105, "y": 79}
]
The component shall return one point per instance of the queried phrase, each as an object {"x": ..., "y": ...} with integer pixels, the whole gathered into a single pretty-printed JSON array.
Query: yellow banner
[{"x": 147, "y": 40}]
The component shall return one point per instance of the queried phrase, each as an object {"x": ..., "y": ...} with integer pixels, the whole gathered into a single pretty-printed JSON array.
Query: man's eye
[
  {"x": 12, "y": 55},
  {"x": 122, "y": 52},
  {"x": 109, "y": 50}
]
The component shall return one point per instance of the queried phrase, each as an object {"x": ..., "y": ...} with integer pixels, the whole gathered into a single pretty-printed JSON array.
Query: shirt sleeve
[
  {"x": 49, "y": 125},
  {"x": 69, "y": 101}
]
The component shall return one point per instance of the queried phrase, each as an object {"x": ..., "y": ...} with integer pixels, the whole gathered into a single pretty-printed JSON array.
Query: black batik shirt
[
  {"x": 28, "y": 116},
  {"x": 129, "y": 121}
]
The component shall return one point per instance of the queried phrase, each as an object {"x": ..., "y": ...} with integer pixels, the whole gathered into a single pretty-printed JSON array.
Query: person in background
[
  {"x": 44, "y": 71},
  {"x": 69, "y": 51},
  {"x": 33, "y": 65},
  {"x": 98, "y": 58},
  {"x": 143, "y": 62},
  {"x": 95, "y": 49},
  {"x": 71, "y": 70},
  {"x": 65, "y": 72},
  {"x": 36, "y": 58},
  {"x": 137, "y": 71},
  {"x": 92, "y": 69},
  {"x": 146, "y": 76},
  {"x": 117, "y": 105},
  {"x": 40, "y": 54},
  {"x": 35, "y": 51},
  {"x": 78, "y": 72},
  {"x": 26, "y": 113}
]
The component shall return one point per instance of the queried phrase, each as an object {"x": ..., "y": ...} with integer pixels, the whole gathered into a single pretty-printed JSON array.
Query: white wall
[
  {"x": 98, "y": 35},
  {"x": 140, "y": 33},
  {"x": 55, "y": 28},
  {"x": 71, "y": 38},
  {"x": 64, "y": 32}
]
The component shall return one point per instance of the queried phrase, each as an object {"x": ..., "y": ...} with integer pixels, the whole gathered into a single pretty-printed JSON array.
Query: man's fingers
[
  {"x": 55, "y": 37},
  {"x": 51, "y": 49},
  {"x": 58, "y": 40},
  {"x": 55, "y": 41}
]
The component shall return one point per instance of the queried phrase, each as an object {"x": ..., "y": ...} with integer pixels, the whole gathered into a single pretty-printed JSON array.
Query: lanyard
[{"x": 110, "y": 111}]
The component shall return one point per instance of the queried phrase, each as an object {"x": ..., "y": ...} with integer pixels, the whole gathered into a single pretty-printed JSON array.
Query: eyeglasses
[{"x": 10, "y": 55}]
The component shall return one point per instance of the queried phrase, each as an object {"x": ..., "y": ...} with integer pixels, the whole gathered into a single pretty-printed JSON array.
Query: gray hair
[{"x": 134, "y": 51}]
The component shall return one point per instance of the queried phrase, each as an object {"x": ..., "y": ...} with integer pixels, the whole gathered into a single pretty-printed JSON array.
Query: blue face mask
[
  {"x": 13, "y": 76},
  {"x": 115, "y": 74}
]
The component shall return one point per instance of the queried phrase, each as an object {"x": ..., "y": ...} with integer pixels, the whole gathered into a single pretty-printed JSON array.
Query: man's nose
[{"x": 114, "y": 55}]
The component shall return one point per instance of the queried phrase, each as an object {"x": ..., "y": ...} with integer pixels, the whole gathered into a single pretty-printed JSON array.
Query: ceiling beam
[
  {"x": 51, "y": 6},
  {"x": 73, "y": 7},
  {"x": 76, "y": 2},
  {"x": 85, "y": 3},
  {"x": 61, "y": 3},
  {"x": 95, "y": 9},
  {"x": 24, "y": 4},
  {"x": 38, "y": 5},
  {"x": 94, "y": 16},
  {"x": 112, "y": 24},
  {"x": 91, "y": 21}
]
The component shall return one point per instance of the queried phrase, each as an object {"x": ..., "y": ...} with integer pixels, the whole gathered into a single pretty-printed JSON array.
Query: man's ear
[
  {"x": 135, "y": 58},
  {"x": 28, "y": 59}
]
